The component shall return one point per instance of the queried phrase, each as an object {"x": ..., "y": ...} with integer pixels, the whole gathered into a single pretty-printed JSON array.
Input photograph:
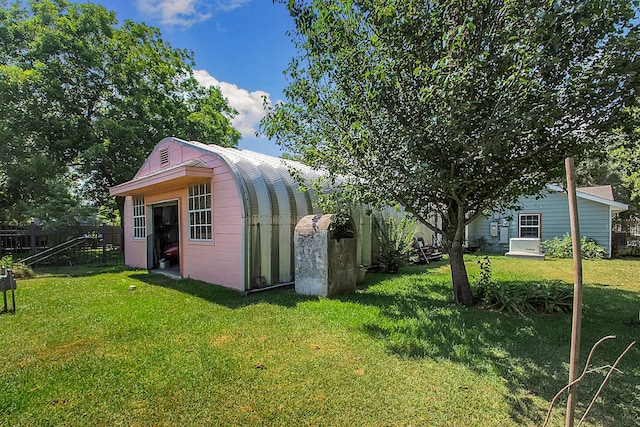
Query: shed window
[
  {"x": 139, "y": 220},
  {"x": 529, "y": 225},
  {"x": 200, "y": 212}
]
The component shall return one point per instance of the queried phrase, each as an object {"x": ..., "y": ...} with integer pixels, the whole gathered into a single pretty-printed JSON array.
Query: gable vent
[{"x": 164, "y": 157}]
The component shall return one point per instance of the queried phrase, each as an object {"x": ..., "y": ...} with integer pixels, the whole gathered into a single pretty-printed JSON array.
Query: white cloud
[
  {"x": 185, "y": 13},
  {"x": 249, "y": 104},
  {"x": 228, "y": 5},
  {"x": 182, "y": 13}
]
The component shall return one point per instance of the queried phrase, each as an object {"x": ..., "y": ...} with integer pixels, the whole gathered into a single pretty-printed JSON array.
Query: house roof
[
  {"x": 602, "y": 194},
  {"x": 603, "y": 191}
]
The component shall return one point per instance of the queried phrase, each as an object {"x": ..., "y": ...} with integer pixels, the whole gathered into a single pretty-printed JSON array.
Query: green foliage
[
  {"x": 523, "y": 298},
  {"x": 453, "y": 107},
  {"x": 616, "y": 163},
  {"x": 396, "y": 240},
  {"x": 625, "y": 157},
  {"x": 19, "y": 269},
  {"x": 629, "y": 251},
  {"x": 84, "y": 99},
  {"x": 563, "y": 248},
  {"x": 485, "y": 281}
]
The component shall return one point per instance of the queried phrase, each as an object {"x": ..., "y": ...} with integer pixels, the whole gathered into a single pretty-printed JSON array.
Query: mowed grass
[{"x": 83, "y": 349}]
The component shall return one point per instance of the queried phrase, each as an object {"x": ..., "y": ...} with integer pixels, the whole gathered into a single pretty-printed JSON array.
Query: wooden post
[
  {"x": 576, "y": 324},
  {"x": 32, "y": 239},
  {"x": 104, "y": 243}
]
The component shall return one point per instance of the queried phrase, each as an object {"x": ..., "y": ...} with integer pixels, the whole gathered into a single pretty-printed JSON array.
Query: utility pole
[{"x": 576, "y": 324}]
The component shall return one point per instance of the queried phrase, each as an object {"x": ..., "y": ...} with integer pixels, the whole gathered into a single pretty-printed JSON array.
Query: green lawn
[{"x": 83, "y": 349}]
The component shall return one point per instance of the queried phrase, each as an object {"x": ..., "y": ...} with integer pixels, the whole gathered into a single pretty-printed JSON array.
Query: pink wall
[
  {"x": 218, "y": 261},
  {"x": 135, "y": 253}
]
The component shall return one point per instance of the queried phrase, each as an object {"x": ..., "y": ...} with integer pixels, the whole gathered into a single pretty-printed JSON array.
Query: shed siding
[
  {"x": 135, "y": 254},
  {"x": 178, "y": 154},
  {"x": 255, "y": 206},
  {"x": 218, "y": 261}
]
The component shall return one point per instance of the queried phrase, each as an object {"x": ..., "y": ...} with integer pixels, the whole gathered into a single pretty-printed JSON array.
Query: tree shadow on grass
[
  {"x": 531, "y": 354},
  {"x": 78, "y": 270},
  {"x": 285, "y": 296},
  {"x": 419, "y": 320}
]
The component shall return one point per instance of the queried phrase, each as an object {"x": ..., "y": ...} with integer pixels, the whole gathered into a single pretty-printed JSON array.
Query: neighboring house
[
  {"x": 231, "y": 214},
  {"x": 547, "y": 217}
]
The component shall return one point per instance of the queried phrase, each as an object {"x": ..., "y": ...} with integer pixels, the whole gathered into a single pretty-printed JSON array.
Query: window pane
[
  {"x": 138, "y": 217},
  {"x": 529, "y": 226},
  {"x": 200, "y": 221}
]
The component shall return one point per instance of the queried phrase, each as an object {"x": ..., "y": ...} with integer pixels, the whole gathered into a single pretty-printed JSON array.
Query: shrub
[
  {"x": 562, "y": 248},
  {"x": 19, "y": 269},
  {"x": 396, "y": 240},
  {"x": 523, "y": 297}
]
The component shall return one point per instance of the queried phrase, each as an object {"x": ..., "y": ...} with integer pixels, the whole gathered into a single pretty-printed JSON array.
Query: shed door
[{"x": 165, "y": 239}]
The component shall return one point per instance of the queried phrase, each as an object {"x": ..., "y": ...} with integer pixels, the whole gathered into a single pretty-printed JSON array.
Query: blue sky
[{"x": 239, "y": 45}]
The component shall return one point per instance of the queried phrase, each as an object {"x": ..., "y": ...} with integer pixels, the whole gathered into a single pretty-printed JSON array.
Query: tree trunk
[{"x": 461, "y": 290}]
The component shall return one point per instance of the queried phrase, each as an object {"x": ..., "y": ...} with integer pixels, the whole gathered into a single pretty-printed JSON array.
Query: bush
[
  {"x": 521, "y": 298},
  {"x": 563, "y": 248},
  {"x": 20, "y": 270},
  {"x": 396, "y": 240}
]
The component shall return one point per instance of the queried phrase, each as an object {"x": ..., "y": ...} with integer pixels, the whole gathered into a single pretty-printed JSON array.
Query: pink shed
[{"x": 230, "y": 213}]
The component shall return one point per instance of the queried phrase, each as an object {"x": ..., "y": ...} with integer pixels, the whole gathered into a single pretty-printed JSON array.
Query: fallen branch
[
  {"x": 613, "y": 368},
  {"x": 585, "y": 372}
]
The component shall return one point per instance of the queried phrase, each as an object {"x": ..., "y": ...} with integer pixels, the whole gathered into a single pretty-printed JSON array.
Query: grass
[{"x": 83, "y": 349}]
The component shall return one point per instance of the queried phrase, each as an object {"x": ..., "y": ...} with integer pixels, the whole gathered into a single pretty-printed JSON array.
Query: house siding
[{"x": 594, "y": 221}]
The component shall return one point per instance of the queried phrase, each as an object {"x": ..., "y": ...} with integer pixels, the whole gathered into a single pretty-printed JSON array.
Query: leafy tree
[
  {"x": 83, "y": 96},
  {"x": 452, "y": 106},
  {"x": 626, "y": 156},
  {"x": 616, "y": 163}
]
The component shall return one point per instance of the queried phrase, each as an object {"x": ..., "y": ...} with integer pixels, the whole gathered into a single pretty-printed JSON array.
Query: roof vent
[{"x": 164, "y": 157}]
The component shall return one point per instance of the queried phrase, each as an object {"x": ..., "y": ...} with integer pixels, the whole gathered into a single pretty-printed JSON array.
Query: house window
[
  {"x": 529, "y": 225},
  {"x": 164, "y": 157},
  {"x": 200, "y": 212},
  {"x": 139, "y": 220}
]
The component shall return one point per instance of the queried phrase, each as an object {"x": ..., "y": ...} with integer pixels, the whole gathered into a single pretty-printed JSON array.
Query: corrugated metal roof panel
[{"x": 275, "y": 204}]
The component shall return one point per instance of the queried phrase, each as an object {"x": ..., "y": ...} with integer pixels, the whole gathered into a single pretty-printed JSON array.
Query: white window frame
[
  {"x": 530, "y": 225},
  {"x": 139, "y": 218},
  {"x": 200, "y": 212}
]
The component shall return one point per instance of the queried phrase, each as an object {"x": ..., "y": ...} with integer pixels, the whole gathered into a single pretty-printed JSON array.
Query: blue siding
[{"x": 594, "y": 221}]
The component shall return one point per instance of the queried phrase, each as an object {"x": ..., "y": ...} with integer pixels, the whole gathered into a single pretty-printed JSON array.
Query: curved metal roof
[{"x": 272, "y": 203}]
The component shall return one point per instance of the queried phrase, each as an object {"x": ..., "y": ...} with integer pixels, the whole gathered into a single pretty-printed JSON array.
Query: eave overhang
[
  {"x": 169, "y": 179},
  {"x": 616, "y": 207}
]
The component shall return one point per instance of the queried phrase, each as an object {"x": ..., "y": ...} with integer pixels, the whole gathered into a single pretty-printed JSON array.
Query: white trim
[
  {"x": 610, "y": 232},
  {"x": 615, "y": 206},
  {"x": 538, "y": 226},
  {"x": 204, "y": 212},
  {"x": 138, "y": 230}
]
